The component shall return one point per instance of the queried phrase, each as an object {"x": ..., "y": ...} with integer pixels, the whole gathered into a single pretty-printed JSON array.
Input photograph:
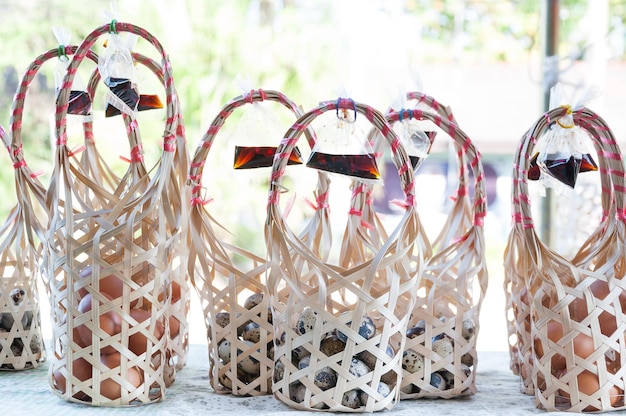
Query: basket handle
[
  {"x": 400, "y": 156},
  {"x": 467, "y": 154},
  {"x": 5, "y": 137},
  {"x": 446, "y": 113},
  {"x": 196, "y": 166},
  {"x": 17, "y": 110},
  {"x": 612, "y": 178},
  {"x": 608, "y": 152},
  {"x": 172, "y": 119},
  {"x": 92, "y": 85}
]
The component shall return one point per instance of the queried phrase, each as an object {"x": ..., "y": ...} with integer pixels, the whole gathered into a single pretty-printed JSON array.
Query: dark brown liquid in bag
[
  {"x": 80, "y": 103},
  {"x": 360, "y": 166},
  {"x": 123, "y": 89},
  {"x": 564, "y": 170},
  {"x": 146, "y": 102},
  {"x": 588, "y": 164},
  {"x": 534, "y": 173},
  {"x": 416, "y": 161},
  {"x": 261, "y": 157}
]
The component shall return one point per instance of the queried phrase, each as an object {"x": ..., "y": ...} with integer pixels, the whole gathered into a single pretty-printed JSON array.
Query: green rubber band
[
  {"x": 112, "y": 26},
  {"x": 61, "y": 52}
]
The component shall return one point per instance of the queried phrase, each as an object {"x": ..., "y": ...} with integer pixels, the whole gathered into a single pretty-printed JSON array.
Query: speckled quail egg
[
  {"x": 279, "y": 371},
  {"x": 412, "y": 361},
  {"x": 280, "y": 338},
  {"x": 332, "y": 345},
  {"x": 17, "y": 295},
  {"x": 6, "y": 321},
  {"x": 467, "y": 359},
  {"x": 306, "y": 321},
  {"x": 27, "y": 319},
  {"x": 270, "y": 315},
  {"x": 17, "y": 347},
  {"x": 298, "y": 353},
  {"x": 297, "y": 391},
  {"x": 416, "y": 330},
  {"x": 358, "y": 368},
  {"x": 391, "y": 377},
  {"x": 252, "y": 332},
  {"x": 249, "y": 364},
  {"x": 35, "y": 343},
  {"x": 410, "y": 388},
  {"x": 225, "y": 381},
  {"x": 437, "y": 381},
  {"x": 443, "y": 347},
  {"x": 222, "y": 319},
  {"x": 367, "y": 329},
  {"x": 352, "y": 399},
  {"x": 466, "y": 370},
  {"x": 223, "y": 351},
  {"x": 270, "y": 350},
  {"x": 304, "y": 362},
  {"x": 468, "y": 329},
  {"x": 368, "y": 358},
  {"x": 448, "y": 377},
  {"x": 325, "y": 378},
  {"x": 253, "y": 300},
  {"x": 383, "y": 389}
]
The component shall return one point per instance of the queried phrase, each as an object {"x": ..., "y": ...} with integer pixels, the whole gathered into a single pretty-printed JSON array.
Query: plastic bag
[
  {"x": 116, "y": 65},
  {"x": 563, "y": 150},
  {"x": 80, "y": 101},
  {"x": 257, "y": 134},
  {"x": 342, "y": 146},
  {"x": 415, "y": 140}
]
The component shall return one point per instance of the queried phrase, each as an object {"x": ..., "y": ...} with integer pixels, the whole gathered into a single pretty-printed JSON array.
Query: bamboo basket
[
  {"x": 440, "y": 356},
  {"x": 114, "y": 351},
  {"x": 21, "y": 341},
  {"x": 23, "y": 233},
  {"x": 576, "y": 313},
  {"x": 350, "y": 321},
  {"x": 516, "y": 262},
  {"x": 98, "y": 169},
  {"x": 225, "y": 276}
]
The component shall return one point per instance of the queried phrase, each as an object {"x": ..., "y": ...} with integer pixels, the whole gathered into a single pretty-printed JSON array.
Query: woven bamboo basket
[
  {"x": 440, "y": 357},
  {"x": 576, "y": 312},
  {"x": 111, "y": 350},
  {"x": 230, "y": 280},
  {"x": 517, "y": 263},
  {"x": 21, "y": 342},
  {"x": 349, "y": 321},
  {"x": 98, "y": 168},
  {"x": 23, "y": 233}
]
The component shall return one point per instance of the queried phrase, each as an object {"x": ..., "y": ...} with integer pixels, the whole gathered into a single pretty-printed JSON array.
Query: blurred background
[{"x": 492, "y": 62}]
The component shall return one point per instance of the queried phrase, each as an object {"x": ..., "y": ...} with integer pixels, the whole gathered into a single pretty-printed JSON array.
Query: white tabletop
[{"x": 27, "y": 393}]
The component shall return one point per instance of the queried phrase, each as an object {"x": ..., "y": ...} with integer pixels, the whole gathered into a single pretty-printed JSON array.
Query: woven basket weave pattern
[
  {"x": 337, "y": 300},
  {"x": 574, "y": 305},
  {"x": 130, "y": 235}
]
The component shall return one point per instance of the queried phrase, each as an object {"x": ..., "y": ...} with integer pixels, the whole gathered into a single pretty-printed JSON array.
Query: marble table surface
[{"x": 27, "y": 393}]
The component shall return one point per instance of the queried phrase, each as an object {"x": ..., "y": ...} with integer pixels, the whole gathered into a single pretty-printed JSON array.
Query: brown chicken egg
[
  {"x": 81, "y": 370},
  {"x": 174, "y": 327},
  {"x": 555, "y": 333},
  {"x": 111, "y": 388},
  {"x": 111, "y": 285},
  {"x": 109, "y": 322},
  {"x": 138, "y": 341},
  {"x": 175, "y": 292}
]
